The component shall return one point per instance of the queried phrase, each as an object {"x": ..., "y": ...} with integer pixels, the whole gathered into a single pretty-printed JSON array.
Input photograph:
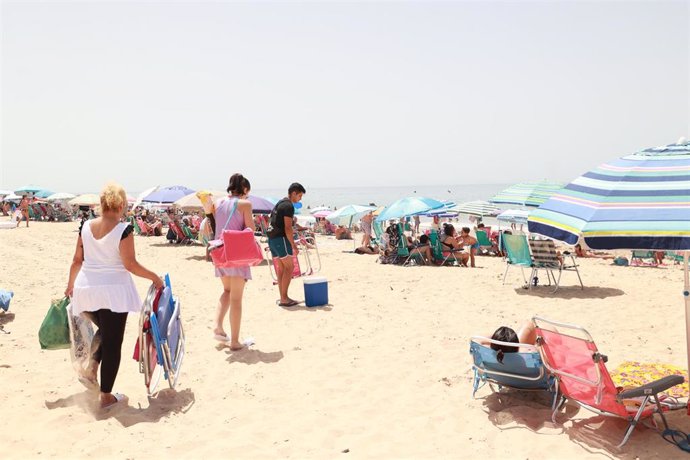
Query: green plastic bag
[{"x": 54, "y": 331}]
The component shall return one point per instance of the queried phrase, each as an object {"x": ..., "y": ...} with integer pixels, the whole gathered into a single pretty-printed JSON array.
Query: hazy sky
[{"x": 335, "y": 94}]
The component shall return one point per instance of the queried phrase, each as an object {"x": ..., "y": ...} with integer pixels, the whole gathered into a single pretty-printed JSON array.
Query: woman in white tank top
[{"x": 101, "y": 287}]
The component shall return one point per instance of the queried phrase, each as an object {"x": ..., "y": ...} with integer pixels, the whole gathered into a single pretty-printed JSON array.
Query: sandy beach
[{"x": 382, "y": 372}]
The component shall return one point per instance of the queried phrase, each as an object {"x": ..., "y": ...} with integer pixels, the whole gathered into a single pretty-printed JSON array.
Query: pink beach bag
[{"x": 239, "y": 248}]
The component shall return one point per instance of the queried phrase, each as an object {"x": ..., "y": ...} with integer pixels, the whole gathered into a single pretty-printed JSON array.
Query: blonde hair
[{"x": 113, "y": 198}]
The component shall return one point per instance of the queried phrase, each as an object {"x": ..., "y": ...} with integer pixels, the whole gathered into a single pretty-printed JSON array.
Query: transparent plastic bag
[{"x": 81, "y": 335}]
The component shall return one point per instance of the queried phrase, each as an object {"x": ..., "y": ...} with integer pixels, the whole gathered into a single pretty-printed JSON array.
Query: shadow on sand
[
  {"x": 162, "y": 404},
  {"x": 250, "y": 355},
  {"x": 511, "y": 409},
  {"x": 570, "y": 292}
]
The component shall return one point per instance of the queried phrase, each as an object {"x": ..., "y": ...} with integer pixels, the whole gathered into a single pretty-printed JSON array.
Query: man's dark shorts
[{"x": 280, "y": 247}]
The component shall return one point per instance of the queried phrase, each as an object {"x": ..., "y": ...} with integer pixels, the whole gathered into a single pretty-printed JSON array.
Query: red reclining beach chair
[
  {"x": 570, "y": 354},
  {"x": 145, "y": 228}
]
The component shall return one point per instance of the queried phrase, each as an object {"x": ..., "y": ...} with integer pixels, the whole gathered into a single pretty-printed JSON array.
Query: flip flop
[
  {"x": 291, "y": 303},
  {"x": 221, "y": 337},
  {"x": 119, "y": 397}
]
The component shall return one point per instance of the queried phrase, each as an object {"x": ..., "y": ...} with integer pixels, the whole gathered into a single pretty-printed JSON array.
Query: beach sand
[{"x": 382, "y": 372}]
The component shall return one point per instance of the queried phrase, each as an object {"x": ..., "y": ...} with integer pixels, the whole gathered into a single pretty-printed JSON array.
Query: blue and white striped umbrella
[
  {"x": 527, "y": 193},
  {"x": 640, "y": 201}
]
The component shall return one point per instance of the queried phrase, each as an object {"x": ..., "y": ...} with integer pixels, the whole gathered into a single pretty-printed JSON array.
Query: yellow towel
[{"x": 632, "y": 374}]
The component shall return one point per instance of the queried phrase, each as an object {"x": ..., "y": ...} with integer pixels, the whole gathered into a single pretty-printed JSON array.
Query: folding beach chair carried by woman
[{"x": 161, "y": 345}]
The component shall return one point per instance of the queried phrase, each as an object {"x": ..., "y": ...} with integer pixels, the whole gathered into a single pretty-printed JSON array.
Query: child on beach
[
  {"x": 232, "y": 213},
  {"x": 101, "y": 286}
]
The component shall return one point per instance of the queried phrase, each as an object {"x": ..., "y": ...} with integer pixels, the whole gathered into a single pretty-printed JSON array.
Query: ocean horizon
[{"x": 385, "y": 195}]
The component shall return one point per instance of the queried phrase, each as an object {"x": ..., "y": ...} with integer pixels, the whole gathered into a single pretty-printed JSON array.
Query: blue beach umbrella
[
  {"x": 527, "y": 193},
  {"x": 639, "y": 201},
  {"x": 33, "y": 190},
  {"x": 168, "y": 194},
  {"x": 408, "y": 207}
]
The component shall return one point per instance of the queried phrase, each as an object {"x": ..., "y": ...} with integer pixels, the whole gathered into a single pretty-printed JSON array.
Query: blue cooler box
[{"x": 315, "y": 291}]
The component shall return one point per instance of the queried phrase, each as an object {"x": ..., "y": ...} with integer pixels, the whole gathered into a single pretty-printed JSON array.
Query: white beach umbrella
[
  {"x": 87, "y": 199},
  {"x": 5, "y": 193},
  {"x": 60, "y": 197},
  {"x": 144, "y": 194}
]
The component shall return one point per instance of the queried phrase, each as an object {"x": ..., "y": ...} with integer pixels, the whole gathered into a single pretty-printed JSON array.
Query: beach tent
[
  {"x": 477, "y": 208},
  {"x": 527, "y": 193},
  {"x": 408, "y": 207},
  {"x": 168, "y": 195},
  {"x": 639, "y": 201},
  {"x": 60, "y": 197},
  {"x": 87, "y": 199}
]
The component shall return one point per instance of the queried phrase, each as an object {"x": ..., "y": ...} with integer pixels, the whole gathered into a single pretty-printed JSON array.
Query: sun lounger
[
  {"x": 643, "y": 258},
  {"x": 569, "y": 353}
]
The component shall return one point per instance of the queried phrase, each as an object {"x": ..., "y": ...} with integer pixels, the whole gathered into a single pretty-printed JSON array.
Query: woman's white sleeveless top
[{"x": 103, "y": 281}]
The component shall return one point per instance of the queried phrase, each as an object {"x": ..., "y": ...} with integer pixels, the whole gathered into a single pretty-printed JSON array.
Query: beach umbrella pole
[{"x": 686, "y": 295}]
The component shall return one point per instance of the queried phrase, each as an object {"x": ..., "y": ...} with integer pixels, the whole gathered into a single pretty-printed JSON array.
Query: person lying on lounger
[{"x": 581, "y": 252}]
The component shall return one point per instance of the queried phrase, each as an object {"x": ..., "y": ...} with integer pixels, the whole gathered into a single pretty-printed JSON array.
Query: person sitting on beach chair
[
  {"x": 422, "y": 248},
  {"x": 468, "y": 240},
  {"x": 526, "y": 335},
  {"x": 451, "y": 244}
]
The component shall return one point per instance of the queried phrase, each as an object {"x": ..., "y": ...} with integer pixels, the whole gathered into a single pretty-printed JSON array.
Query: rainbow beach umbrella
[
  {"x": 639, "y": 201},
  {"x": 527, "y": 193}
]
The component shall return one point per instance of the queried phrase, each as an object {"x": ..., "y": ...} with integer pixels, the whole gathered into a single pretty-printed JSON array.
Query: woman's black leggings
[{"x": 106, "y": 347}]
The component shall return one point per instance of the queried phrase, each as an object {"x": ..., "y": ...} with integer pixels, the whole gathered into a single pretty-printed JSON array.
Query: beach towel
[
  {"x": 5, "y": 297},
  {"x": 634, "y": 374}
]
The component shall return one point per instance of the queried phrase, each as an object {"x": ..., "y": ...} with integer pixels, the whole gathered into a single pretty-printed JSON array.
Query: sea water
[{"x": 383, "y": 196}]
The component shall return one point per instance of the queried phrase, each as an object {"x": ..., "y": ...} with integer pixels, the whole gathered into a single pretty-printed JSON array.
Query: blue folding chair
[
  {"x": 519, "y": 370},
  {"x": 162, "y": 339}
]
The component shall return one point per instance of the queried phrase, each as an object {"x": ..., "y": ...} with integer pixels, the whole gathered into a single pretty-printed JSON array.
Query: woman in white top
[{"x": 100, "y": 285}]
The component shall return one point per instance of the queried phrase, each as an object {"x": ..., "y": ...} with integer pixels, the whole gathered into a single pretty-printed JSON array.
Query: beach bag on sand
[
  {"x": 622, "y": 261},
  {"x": 54, "y": 331},
  {"x": 81, "y": 338},
  {"x": 235, "y": 248}
]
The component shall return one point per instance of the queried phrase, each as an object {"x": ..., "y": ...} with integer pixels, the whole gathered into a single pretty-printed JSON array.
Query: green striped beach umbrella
[
  {"x": 527, "y": 193},
  {"x": 477, "y": 208},
  {"x": 639, "y": 201}
]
